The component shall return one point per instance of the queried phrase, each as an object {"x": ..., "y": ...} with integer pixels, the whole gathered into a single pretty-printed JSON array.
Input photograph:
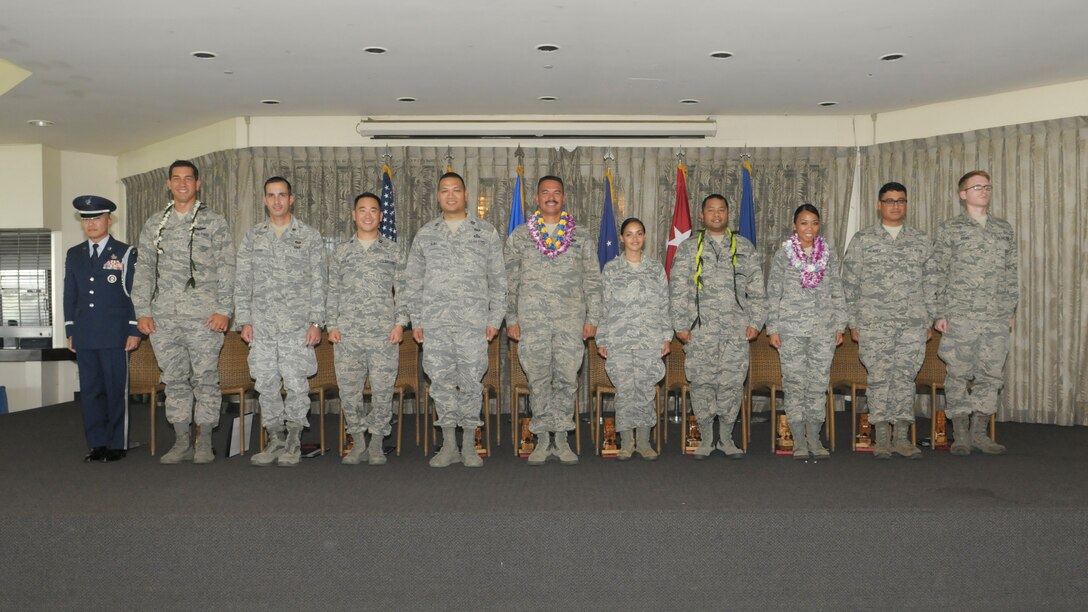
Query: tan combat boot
[
  {"x": 376, "y": 454},
  {"x": 725, "y": 439},
  {"x": 642, "y": 444},
  {"x": 800, "y": 446},
  {"x": 356, "y": 456},
  {"x": 706, "y": 440},
  {"x": 181, "y": 450},
  {"x": 447, "y": 455},
  {"x": 980, "y": 437},
  {"x": 902, "y": 445},
  {"x": 961, "y": 436},
  {"x": 627, "y": 445},
  {"x": 292, "y": 454},
  {"x": 563, "y": 450},
  {"x": 469, "y": 456},
  {"x": 812, "y": 438},
  {"x": 883, "y": 448},
  {"x": 202, "y": 449},
  {"x": 277, "y": 443},
  {"x": 541, "y": 451}
]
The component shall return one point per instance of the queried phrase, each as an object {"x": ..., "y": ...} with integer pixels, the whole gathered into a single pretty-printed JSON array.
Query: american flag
[{"x": 388, "y": 228}]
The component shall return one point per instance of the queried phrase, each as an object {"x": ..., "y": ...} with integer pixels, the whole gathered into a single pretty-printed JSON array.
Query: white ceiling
[{"x": 117, "y": 75}]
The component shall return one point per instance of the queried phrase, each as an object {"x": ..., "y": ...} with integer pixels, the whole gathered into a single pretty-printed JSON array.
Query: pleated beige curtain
[
  {"x": 326, "y": 179},
  {"x": 1039, "y": 173},
  {"x": 223, "y": 180}
]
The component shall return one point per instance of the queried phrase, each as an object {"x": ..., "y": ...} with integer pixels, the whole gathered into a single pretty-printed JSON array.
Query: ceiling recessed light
[
  {"x": 270, "y": 102},
  {"x": 547, "y": 98},
  {"x": 547, "y": 48},
  {"x": 228, "y": 72},
  {"x": 203, "y": 54},
  {"x": 40, "y": 123},
  {"x": 689, "y": 101},
  {"x": 376, "y": 50},
  {"x": 406, "y": 99},
  {"x": 721, "y": 55},
  {"x": 548, "y": 66},
  {"x": 891, "y": 57},
  {"x": 828, "y": 103}
]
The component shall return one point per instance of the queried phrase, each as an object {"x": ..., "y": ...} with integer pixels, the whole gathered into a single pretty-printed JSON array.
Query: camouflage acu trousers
[
  {"x": 188, "y": 354},
  {"x": 282, "y": 361},
  {"x": 716, "y": 362},
  {"x": 635, "y": 373},
  {"x": 892, "y": 354},
  {"x": 359, "y": 357},
  {"x": 806, "y": 370},
  {"x": 974, "y": 350},
  {"x": 455, "y": 359},
  {"x": 551, "y": 359}
]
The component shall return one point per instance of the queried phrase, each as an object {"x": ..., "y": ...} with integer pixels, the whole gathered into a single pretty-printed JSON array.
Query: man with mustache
[
  {"x": 555, "y": 305},
  {"x": 883, "y": 281}
]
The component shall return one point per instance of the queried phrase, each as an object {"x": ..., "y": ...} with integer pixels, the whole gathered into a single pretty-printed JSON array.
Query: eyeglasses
[
  {"x": 899, "y": 202},
  {"x": 978, "y": 188}
]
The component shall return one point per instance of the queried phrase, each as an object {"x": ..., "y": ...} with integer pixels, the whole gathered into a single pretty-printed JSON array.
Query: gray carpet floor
[{"x": 998, "y": 533}]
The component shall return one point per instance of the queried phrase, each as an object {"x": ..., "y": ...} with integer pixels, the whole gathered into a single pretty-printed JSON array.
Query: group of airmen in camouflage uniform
[{"x": 458, "y": 283}]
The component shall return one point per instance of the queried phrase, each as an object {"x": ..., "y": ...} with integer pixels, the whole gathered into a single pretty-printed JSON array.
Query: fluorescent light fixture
[{"x": 529, "y": 127}]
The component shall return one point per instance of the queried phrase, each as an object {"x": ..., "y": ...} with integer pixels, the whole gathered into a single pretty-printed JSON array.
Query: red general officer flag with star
[{"x": 681, "y": 219}]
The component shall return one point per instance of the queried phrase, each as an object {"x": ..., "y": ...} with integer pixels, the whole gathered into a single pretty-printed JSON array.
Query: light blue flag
[{"x": 517, "y": 212}]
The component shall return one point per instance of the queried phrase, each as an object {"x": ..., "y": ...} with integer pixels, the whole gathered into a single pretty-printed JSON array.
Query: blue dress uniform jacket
[{"x": 99, "y": 317}]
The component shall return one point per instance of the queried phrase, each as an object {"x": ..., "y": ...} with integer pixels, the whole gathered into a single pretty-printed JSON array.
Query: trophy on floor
[
  {"x": 528, "y": 441},
  {"x": 783, "y": 441},
  {"x": 863, "y": 441},
  {"x": 693, "y": 435},
  {"x": 481, "y": 450},
  {"x": 940, "y": 431},
  {"x": 609, "y": 448}
]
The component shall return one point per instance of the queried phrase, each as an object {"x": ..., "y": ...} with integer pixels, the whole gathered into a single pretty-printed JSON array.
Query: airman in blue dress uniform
[{"x": 100, "y": 323}]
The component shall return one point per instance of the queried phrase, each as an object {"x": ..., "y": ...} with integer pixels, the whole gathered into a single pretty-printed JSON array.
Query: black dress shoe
[
  {"x": 97, "y": 453},
  {"x": 114, "y": 454}
]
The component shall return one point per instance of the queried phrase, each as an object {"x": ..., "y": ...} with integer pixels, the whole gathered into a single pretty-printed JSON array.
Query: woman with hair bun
[
  {"x": 806, "y": 318},
  {"x": 633, "y": 336}
]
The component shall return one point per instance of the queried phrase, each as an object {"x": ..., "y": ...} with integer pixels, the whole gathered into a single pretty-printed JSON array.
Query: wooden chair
[
  {"x": 676, "y": 382},
  {"x": 519, "y": 385},
  {"x": 493, "y": 387},
  {"x": 408, "y": 383},
  {"x": 234, "y": 379},
  {"x": 931, "y": 377},
  {"x": 323, "y": 384},
  {"x": 144, "y": 377},
  {"x": 847, "y": 372},
  {"x": 764, "y": 373},
  {"x": 599, "y": 386}
]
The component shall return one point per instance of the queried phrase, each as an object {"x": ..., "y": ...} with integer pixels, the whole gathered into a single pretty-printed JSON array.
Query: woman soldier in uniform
[
  {"x": 633, "y": 336},
  {"x": 807, "y": 313}
]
